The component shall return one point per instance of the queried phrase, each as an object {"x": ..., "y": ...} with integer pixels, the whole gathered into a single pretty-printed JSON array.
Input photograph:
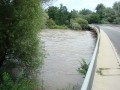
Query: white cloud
[{"x": 80, "y": 4}]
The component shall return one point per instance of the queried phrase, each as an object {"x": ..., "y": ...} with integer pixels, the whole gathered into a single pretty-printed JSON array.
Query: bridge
[{"x": 104, "y": 69}]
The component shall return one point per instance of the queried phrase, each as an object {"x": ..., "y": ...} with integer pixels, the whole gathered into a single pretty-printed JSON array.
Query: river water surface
[{"x": 64, "y": 49}]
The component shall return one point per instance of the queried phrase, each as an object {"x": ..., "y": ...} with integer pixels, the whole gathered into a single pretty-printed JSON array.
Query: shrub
[
  {"x": 84, "y": 67},
  {"x": 19, "y": 84},
  {"x": 82, "y": 22},
  {"x": 104, "y": 21},
  {"x": 59, "y": 27},
  {"x": 50, "y": 23},
  {"x": 76, "y": 26}
]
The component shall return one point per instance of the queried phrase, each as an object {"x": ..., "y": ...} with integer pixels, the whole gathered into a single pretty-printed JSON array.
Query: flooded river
[{"x": 64, "y": 49}]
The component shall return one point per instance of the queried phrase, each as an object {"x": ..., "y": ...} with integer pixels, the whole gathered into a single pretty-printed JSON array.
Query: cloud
[{"x": 80, "y": 4}]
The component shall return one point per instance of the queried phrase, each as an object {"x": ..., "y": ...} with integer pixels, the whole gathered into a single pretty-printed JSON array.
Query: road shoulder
[{"x": 107, "y": 76}]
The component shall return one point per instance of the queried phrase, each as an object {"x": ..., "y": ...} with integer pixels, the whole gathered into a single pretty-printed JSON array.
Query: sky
[{"x": 81, "y": 4}]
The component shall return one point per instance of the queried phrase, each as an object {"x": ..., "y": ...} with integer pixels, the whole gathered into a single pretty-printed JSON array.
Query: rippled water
[{"x": 65, "y": 48}]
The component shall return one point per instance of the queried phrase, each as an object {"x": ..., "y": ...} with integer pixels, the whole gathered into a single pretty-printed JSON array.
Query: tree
[
  {"x": 46, "y": 3},
  {"x": 74, "y": 14},
  {"x": 52, "y": 12},
  {"x": 100, "y": 7},
  {"x": 108, "y": 16},
  {"x": 63, "y": 14},
  {"x": 116, "y": 8},
  {"x": 94, "y": 18},
  {"x": 59, "y": 14},
  {"x": 99, "y": 10},
  {"x": 20, "y": 23},
  {"x": 85, "y": 12}
]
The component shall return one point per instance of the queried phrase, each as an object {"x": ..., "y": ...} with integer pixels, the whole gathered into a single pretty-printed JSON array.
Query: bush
[
  {"x": 76, "y": 26},
  {"x": 50, "y": 23},
  {"x": 104, "y": 21},
  {"x": 82, "y": 22},
  {"x": 59, "y": 27},
  {"x": 84, "y": 67},
  {"x": 19, "y": 84},
  {"x": 117, "y": 20}
]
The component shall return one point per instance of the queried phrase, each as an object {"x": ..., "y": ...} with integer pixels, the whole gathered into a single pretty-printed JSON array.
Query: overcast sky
[{"x": 80, "y": 4}]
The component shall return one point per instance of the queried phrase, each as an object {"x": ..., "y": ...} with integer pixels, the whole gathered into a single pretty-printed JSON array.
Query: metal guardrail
[{"x": 88, "y": 81}]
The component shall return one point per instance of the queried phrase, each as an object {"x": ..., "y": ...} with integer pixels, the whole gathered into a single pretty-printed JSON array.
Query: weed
[{"x": 83, "y": 67}]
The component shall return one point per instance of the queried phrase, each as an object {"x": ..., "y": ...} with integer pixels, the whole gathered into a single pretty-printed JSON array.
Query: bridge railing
[{"x": 88, "y": 81}]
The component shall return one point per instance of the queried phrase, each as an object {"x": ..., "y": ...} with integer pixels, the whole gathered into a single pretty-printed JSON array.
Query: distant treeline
[{"x": 103, "y": 15}]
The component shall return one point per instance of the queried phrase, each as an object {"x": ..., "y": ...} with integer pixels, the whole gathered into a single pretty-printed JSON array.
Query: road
[{"x": 113, "y": 33}]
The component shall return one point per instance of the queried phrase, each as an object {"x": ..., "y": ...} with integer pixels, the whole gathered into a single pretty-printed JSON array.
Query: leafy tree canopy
[{"x": 20, "y": 23}]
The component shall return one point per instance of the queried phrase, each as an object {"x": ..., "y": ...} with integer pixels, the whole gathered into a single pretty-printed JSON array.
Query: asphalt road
[{"x": 113, "y": 33}]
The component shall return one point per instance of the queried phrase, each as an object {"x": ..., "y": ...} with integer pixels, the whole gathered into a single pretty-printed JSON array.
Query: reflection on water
[{"x": 65, "y": 48}]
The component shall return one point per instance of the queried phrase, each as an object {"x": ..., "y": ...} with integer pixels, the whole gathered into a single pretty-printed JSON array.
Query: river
[{"x": 65, "y": 48}]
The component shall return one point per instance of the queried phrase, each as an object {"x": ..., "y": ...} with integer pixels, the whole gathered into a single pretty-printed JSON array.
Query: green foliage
[
  {"x": 79, "y": 23},
  {"x": 116, "y": 8},
  {"x": 83, "y": 67},
  {"x": 50, "y": 23},
  {"x": 59, "y": 27},
  {"x": 20, "y": 24},
  {"x": 20, "y": 83},
  {"x": 82, "y": 22},
  {"x": 102, "y": 15},
  {"x": 76, "y": 26},
  {"x": 94, "y": 18},
  {"x": 44, "y": 20},
  {"x": 117, "y": 20},
  {"x": 100, "y": 7},
  {"x": 46, "y": 3},
  {"x": 59, "y": 14},
  {"x": 85, "y": 12},
  {"x": 52, "y": 11},
  {"x": 109, "y": 16},
  {"x": 74, "y": 14}
]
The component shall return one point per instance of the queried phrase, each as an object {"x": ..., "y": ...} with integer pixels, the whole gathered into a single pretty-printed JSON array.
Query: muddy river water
[{"x": 64, "y": 49}]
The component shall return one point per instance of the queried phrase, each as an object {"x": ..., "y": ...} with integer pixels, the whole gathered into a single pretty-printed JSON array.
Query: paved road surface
[{"x": 113, "y": 33}]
